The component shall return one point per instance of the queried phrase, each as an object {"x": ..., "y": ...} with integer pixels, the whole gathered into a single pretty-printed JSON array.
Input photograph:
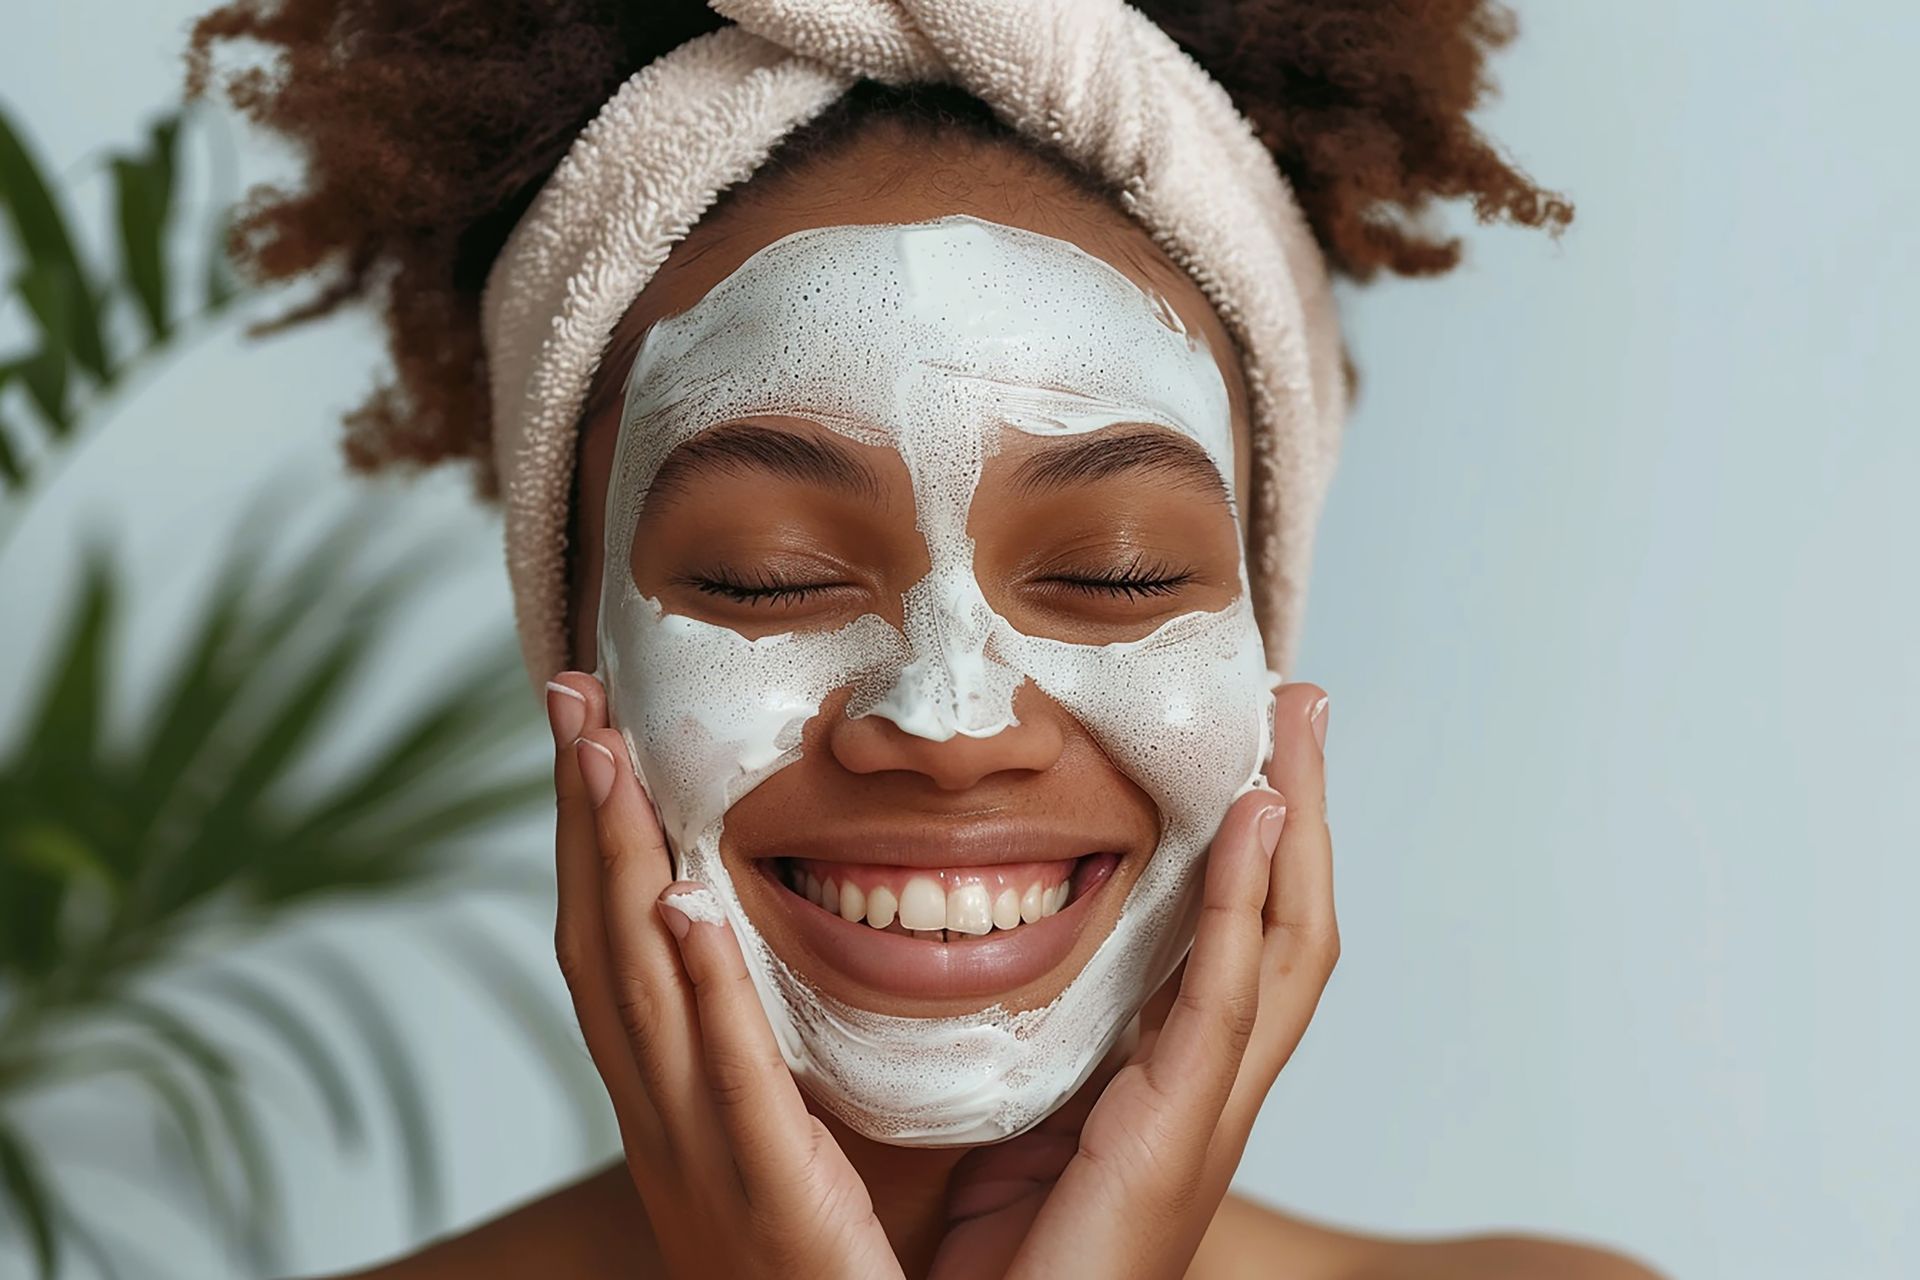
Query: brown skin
[{"x": 866, "y": 552}]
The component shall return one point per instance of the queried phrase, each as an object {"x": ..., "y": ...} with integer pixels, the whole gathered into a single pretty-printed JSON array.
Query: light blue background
[{"x": 1615, "y": 600}]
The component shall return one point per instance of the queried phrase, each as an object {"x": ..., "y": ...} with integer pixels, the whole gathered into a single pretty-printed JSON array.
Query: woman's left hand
[{"x": 1129, "y": 1187}]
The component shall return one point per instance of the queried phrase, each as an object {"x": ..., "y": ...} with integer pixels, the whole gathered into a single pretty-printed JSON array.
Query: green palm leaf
[
  {"x": 125, "y": 855},
  {"x": 48, "y": 843},
  {"x": 74, "y": 305},
  {"x": 65, "y": 730},
  {"x": 30, "y": 1199},
  {"x": 13, "y": 467},
  {"x": 116, "y": 853},
  {"x": 53, "y": 297},
  {"x": 143, "y": 201},
  {"x": 41, "y": 229}
]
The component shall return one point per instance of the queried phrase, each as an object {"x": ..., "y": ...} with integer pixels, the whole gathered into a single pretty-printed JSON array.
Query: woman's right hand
[{"x": 737, "y": 1177}]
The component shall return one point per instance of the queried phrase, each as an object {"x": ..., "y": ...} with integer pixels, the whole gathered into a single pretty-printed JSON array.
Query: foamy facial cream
[{"x": 933, "y": 338}]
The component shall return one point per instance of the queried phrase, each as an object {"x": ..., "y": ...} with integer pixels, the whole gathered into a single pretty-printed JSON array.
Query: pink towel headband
[{"x": 1095, "y": 79}]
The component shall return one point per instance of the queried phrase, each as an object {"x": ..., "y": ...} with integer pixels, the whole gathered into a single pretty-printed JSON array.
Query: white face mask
[{"x": 933, "y": 338}]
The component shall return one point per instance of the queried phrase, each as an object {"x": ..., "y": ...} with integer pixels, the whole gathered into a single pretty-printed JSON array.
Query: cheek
[
  {"x": 709, "y": 713},
  {"x": 1185, "y": 713}
]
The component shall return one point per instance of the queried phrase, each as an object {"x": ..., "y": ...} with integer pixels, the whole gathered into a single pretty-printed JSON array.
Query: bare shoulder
[
  {"x": 589, "y": 1228},
  {"x": 1248, "y": 1241},
  {"x": 594, "y": 1227},
  {"x": 1504, "y": 1256}
]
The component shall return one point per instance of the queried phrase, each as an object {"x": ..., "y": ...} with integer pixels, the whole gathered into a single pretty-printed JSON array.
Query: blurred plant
[
  {"x": 78, "y": 312},
  {"x": 126, "y": 856}
]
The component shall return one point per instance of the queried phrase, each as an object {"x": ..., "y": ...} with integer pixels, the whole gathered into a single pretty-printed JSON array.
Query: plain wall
[{"x": 1615, "y": 601}]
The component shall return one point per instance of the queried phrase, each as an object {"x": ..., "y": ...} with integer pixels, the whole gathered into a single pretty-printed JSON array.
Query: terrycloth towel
[{"x": 1094, "y": 78}]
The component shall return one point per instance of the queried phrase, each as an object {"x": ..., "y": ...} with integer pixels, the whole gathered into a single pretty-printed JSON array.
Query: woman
[{"x": 912, "y": 419}]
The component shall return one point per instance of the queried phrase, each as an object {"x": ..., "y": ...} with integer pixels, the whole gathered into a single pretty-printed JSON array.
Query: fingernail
[
  {"x": 1318, "y": 719},
  {"x": 1273, "y": 819},
  {"x": 566, "y": 712},
  {"x": 677, "y": 922},
  {"x": 681, "y": 905},
  {"x": 596, "y": 769}
]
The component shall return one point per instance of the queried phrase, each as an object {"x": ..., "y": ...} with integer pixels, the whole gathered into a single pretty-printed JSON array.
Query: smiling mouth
[
  {"x": 937, "y": 933},
  {"x": 947, "y": 904}
]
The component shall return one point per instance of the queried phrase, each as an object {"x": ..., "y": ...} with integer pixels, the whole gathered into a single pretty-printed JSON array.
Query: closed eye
[
  {"x": 757, "y": 588},
  {"x": 1137, "y": 579}
]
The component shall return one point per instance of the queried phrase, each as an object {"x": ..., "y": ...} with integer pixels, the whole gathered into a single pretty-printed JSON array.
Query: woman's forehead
[
  {"x": 926, "y": 332},
  {"x": 988, "y": 183}
]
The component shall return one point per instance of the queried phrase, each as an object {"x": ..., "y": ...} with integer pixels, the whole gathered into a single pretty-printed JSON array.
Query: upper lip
[{"x": 933, "y": 843}]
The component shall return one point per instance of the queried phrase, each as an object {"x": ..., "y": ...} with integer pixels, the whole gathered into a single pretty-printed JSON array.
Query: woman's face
[{"x": 1020, "y": 833}]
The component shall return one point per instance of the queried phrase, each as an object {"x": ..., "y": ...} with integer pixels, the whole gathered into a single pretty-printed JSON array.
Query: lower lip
[{"x": 992, "y": 965}]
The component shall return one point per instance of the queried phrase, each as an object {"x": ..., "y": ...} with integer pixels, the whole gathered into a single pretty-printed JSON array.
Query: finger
[
  {"x": 994, "y": 1196},
  {"x": 1206, "y": 1031},
  {"x": 1147, "y": 1139},
  {"x": 648, "y": 994},
  {"x": 1145, "y": 1148},
  {"x": 575, "y": 705},
  {"x": 1144, "y": 1154},
  {"x": 1300, "y": 897},
  {"x": 1303, "y": 934},
  {"x": 1153, "y": 1014},
  {"x": 1303, "y": 939},
  {"x": 759, "y": 1105}
]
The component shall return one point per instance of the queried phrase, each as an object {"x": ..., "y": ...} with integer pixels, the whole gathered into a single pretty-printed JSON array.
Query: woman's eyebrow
[
  {"x": 1103, "y": 455},
  {"x": 789, "y": 455}
]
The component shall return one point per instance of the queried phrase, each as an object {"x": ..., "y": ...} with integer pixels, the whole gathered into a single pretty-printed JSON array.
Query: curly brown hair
[{"x": 427, "y": 127}]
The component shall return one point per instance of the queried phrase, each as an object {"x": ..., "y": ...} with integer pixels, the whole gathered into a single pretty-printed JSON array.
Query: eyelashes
[
  {"x": 1138, "y": 579},
  {"x": 757, "y": 588}
]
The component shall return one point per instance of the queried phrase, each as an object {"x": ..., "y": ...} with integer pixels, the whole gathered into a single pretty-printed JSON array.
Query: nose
[
  {"x": 876, "y": 744},
  {"x": 949, "y": 683}
]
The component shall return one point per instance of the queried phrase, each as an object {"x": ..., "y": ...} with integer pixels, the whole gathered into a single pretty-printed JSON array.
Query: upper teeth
[{"x": 924, "y": 904}]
